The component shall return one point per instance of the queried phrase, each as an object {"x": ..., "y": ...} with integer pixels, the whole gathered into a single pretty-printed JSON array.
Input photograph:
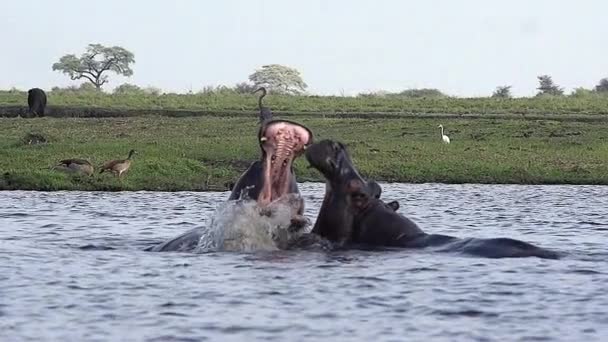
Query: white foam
[{"x": 239, "y": 226}]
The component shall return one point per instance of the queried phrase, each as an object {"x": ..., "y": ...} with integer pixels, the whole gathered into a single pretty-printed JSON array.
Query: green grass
[
  {"x": 231, "y": 102},
  {"x": 201, "y": 153}
]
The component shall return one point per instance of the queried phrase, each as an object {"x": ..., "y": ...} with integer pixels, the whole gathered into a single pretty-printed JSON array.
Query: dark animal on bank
[
  {"x": 265, "y": 112},
  {"x": 267, "y": 179},
  {"x": 36, "y": 101},
  {"x": 352, "y": 213}
]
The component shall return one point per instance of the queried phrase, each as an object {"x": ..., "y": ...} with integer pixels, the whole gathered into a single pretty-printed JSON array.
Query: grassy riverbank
[
  {"x": 200, "y": 153},
  {"x": 230, "y": 102}
]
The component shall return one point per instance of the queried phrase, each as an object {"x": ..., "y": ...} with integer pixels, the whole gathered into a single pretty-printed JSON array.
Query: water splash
[{"x": 244, "y": 226}]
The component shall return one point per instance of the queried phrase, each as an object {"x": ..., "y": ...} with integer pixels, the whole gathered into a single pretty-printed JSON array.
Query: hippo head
[
  {"x": 281, "y": 143},
  {"x": 347, "y": 193},
  {"x": 333, "y": 161},
  {"x": 348, "y": 196}
]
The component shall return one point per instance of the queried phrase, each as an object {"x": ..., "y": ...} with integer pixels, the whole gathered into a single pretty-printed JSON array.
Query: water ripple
[{"x": 75, "y": 259}]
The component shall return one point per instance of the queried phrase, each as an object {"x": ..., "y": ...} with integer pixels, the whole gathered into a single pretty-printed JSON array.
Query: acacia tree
[
  {"x": 279, "y": 78},
  {"x": 547, "y": 87},
  {"x": 502, "y": 92},
  {"x": 95, "y": 62}
]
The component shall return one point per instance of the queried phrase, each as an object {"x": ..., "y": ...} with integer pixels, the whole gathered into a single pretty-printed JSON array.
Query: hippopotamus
[
  {"x": 36, "y": 100},
  {"x": 266, "y": 181},
  {"x": 352, "y": 214},
  {"x": 281, "y": 142}
]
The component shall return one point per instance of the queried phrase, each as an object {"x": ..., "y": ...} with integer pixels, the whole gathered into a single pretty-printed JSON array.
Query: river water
[{"x": 72, "y": 269}]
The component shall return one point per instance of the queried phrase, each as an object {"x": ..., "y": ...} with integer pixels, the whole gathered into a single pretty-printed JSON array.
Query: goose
[
  {"x": 76, "y": 166},
  {"x": 119, "y": 166},
  {"x": 265, "y": 112},
  {"x": 445, "y": 138}
]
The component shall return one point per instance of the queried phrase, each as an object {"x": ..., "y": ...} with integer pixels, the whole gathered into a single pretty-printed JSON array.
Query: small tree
[
  {"x": 279, "y": 79},
  {"x": 502, "y": 92},
  {"x": 547, "y": 87},
  {"x": 602, "y": 87},
  {"x": 95, "y": 62}
]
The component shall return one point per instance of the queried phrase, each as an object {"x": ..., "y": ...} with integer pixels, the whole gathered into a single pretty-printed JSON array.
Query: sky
[{"x": 463, "y": 48}]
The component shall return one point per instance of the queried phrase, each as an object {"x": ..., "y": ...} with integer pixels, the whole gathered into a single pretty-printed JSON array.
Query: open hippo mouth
[{"x": 281, "y": 142}]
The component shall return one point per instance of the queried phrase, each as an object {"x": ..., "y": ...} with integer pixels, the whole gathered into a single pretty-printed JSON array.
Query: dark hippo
[
  {"x": 36, "y": 100},
  {"x": 266, "y": 180},
  {"x": 353, "y": 213}
]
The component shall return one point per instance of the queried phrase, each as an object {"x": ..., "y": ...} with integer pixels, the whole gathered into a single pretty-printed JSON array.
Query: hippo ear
[
  {"x": 374, "y": 188},
  {"x": 393, "y": 205}
]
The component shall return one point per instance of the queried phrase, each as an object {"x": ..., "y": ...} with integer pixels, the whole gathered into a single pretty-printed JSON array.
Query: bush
[
  {"x": 422, "y": 93},
  {"x": 502, "y": 92},
  {"x": 244, "y": 88},
  {"x": 127, "y": 88},
  {"x": 82, "y": 88},
  {"x": 602, "y": 87},
  {"x": 582, "y": 92}
]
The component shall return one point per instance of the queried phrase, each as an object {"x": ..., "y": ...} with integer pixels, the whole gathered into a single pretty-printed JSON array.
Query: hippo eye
[{"x": 331, "y": 163}]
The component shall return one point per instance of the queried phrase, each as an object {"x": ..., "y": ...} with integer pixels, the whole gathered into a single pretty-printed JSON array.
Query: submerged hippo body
[
  {"x": 380, "y": 225},
  {"x": 269, "y": 181},
  {"x": 352, "y": 213}
]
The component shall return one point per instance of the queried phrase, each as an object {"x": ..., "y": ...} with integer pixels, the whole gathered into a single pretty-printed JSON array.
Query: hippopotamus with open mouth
[
  {"x": 267, "y": 180},
  {"x": 352, "y": 213},
  {"x": 270, "y": 177}
]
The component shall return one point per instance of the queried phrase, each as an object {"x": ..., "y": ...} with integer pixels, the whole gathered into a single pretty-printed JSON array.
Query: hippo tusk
[{"x": 262, "y": 139}]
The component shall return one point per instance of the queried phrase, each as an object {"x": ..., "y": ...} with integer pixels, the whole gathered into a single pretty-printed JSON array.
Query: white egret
[{"x": 445, "y": 138}]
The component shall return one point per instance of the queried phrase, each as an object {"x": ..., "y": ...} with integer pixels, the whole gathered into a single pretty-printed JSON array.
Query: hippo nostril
[{"x": 358, "y": 196}]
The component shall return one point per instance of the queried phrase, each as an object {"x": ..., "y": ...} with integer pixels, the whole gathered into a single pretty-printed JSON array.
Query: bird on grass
[
  {"x": 265, "y": 112},
  {"x": 75, "y": 166},
  {"x": 119, "y": 166},
  {"x": 444, "y": 138}
]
